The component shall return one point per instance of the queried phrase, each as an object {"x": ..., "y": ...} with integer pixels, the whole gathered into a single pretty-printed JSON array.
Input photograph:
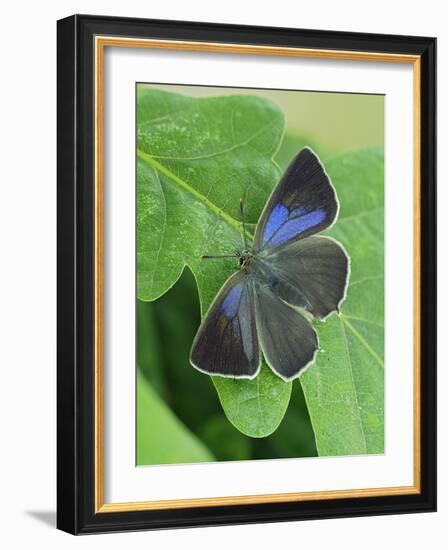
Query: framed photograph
[{"x": 246, "y": 274}]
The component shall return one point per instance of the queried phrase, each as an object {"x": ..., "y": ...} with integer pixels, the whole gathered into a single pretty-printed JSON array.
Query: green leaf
[
  {"x": 149, "y": 347},
  {"x": 154, "y": 422},
  {"x": 196, "y": 159},
  {"x": 344, "y": 390},
  {"x": 261, "y": 402}
]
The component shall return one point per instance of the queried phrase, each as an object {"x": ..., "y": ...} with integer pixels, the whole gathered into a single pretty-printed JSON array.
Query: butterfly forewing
[
  {"x": 302, "y": 204},
  {"x": 287, "y": 339},
  {"x": 226, "y": 343}
]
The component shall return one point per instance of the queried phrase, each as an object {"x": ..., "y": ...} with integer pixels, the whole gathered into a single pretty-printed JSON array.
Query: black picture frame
[{"x": 76, "y": 512}]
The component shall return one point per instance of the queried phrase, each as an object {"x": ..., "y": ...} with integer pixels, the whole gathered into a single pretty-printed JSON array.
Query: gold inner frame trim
[{"x": 101, "y": 42}]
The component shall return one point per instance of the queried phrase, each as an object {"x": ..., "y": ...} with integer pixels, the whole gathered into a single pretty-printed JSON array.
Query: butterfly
[{"x": 290, "y": 276}]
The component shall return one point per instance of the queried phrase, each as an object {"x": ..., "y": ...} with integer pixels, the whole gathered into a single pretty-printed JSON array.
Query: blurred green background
[{"x": 179, "y": 417}]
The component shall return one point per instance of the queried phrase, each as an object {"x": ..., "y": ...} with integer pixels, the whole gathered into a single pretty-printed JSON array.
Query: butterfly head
[{"x": 244, "y": 259}]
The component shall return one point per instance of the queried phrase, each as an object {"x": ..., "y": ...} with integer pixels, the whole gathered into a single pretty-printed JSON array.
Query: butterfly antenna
[
  {"x": 218, "y": 257},
  {"x": 244, "y": 225}
]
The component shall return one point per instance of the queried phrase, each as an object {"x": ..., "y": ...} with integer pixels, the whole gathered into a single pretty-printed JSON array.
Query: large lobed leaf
[{"x": 196, "y": 159}]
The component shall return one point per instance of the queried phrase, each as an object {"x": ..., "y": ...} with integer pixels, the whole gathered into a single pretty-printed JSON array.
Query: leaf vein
[
  {"x": 362, "y": 340},
  {"x": 173, "y": 177},
  {"x": 365, "y": 279},
  {"x": 156, "y": 261},
  {"x": 221, "y": 151},
  {"x": 354, "y": 318},
  {"x": 354, "y": 386}
]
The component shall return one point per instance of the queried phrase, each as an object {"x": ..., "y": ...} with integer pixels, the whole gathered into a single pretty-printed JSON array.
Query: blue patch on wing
[
  {"x": 296, "y": 225},
  {"x": 231, "y": 302},
  {"x": 278, "y": 217},
  {"x": 297, "y": 212}
]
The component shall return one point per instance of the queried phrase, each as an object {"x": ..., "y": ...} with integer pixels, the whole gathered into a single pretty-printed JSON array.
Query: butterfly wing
[
  {"x": 226, "y": 343},
  {"x": 288, "y": 341},
  {"x": 311, "y": 273},
  {"x": 303, "y": 203}
]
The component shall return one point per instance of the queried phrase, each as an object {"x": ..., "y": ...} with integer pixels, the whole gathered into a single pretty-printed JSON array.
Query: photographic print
[{"x": 260, "y": 274}]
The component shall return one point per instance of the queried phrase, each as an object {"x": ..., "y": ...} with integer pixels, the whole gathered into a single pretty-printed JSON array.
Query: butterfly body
[
  {"x": 262, "y": 273},
  {"x": 289, "y": 275},
  {"x": 245, "y": 259}
]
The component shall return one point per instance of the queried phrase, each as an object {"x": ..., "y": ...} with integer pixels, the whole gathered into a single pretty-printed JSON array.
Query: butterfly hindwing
[
  {"x": 311, "y": 273},
  {"x": 302, "y": 204},
  {"x": 287, "y": 339},
  {"x": 226, "y": 343}
]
